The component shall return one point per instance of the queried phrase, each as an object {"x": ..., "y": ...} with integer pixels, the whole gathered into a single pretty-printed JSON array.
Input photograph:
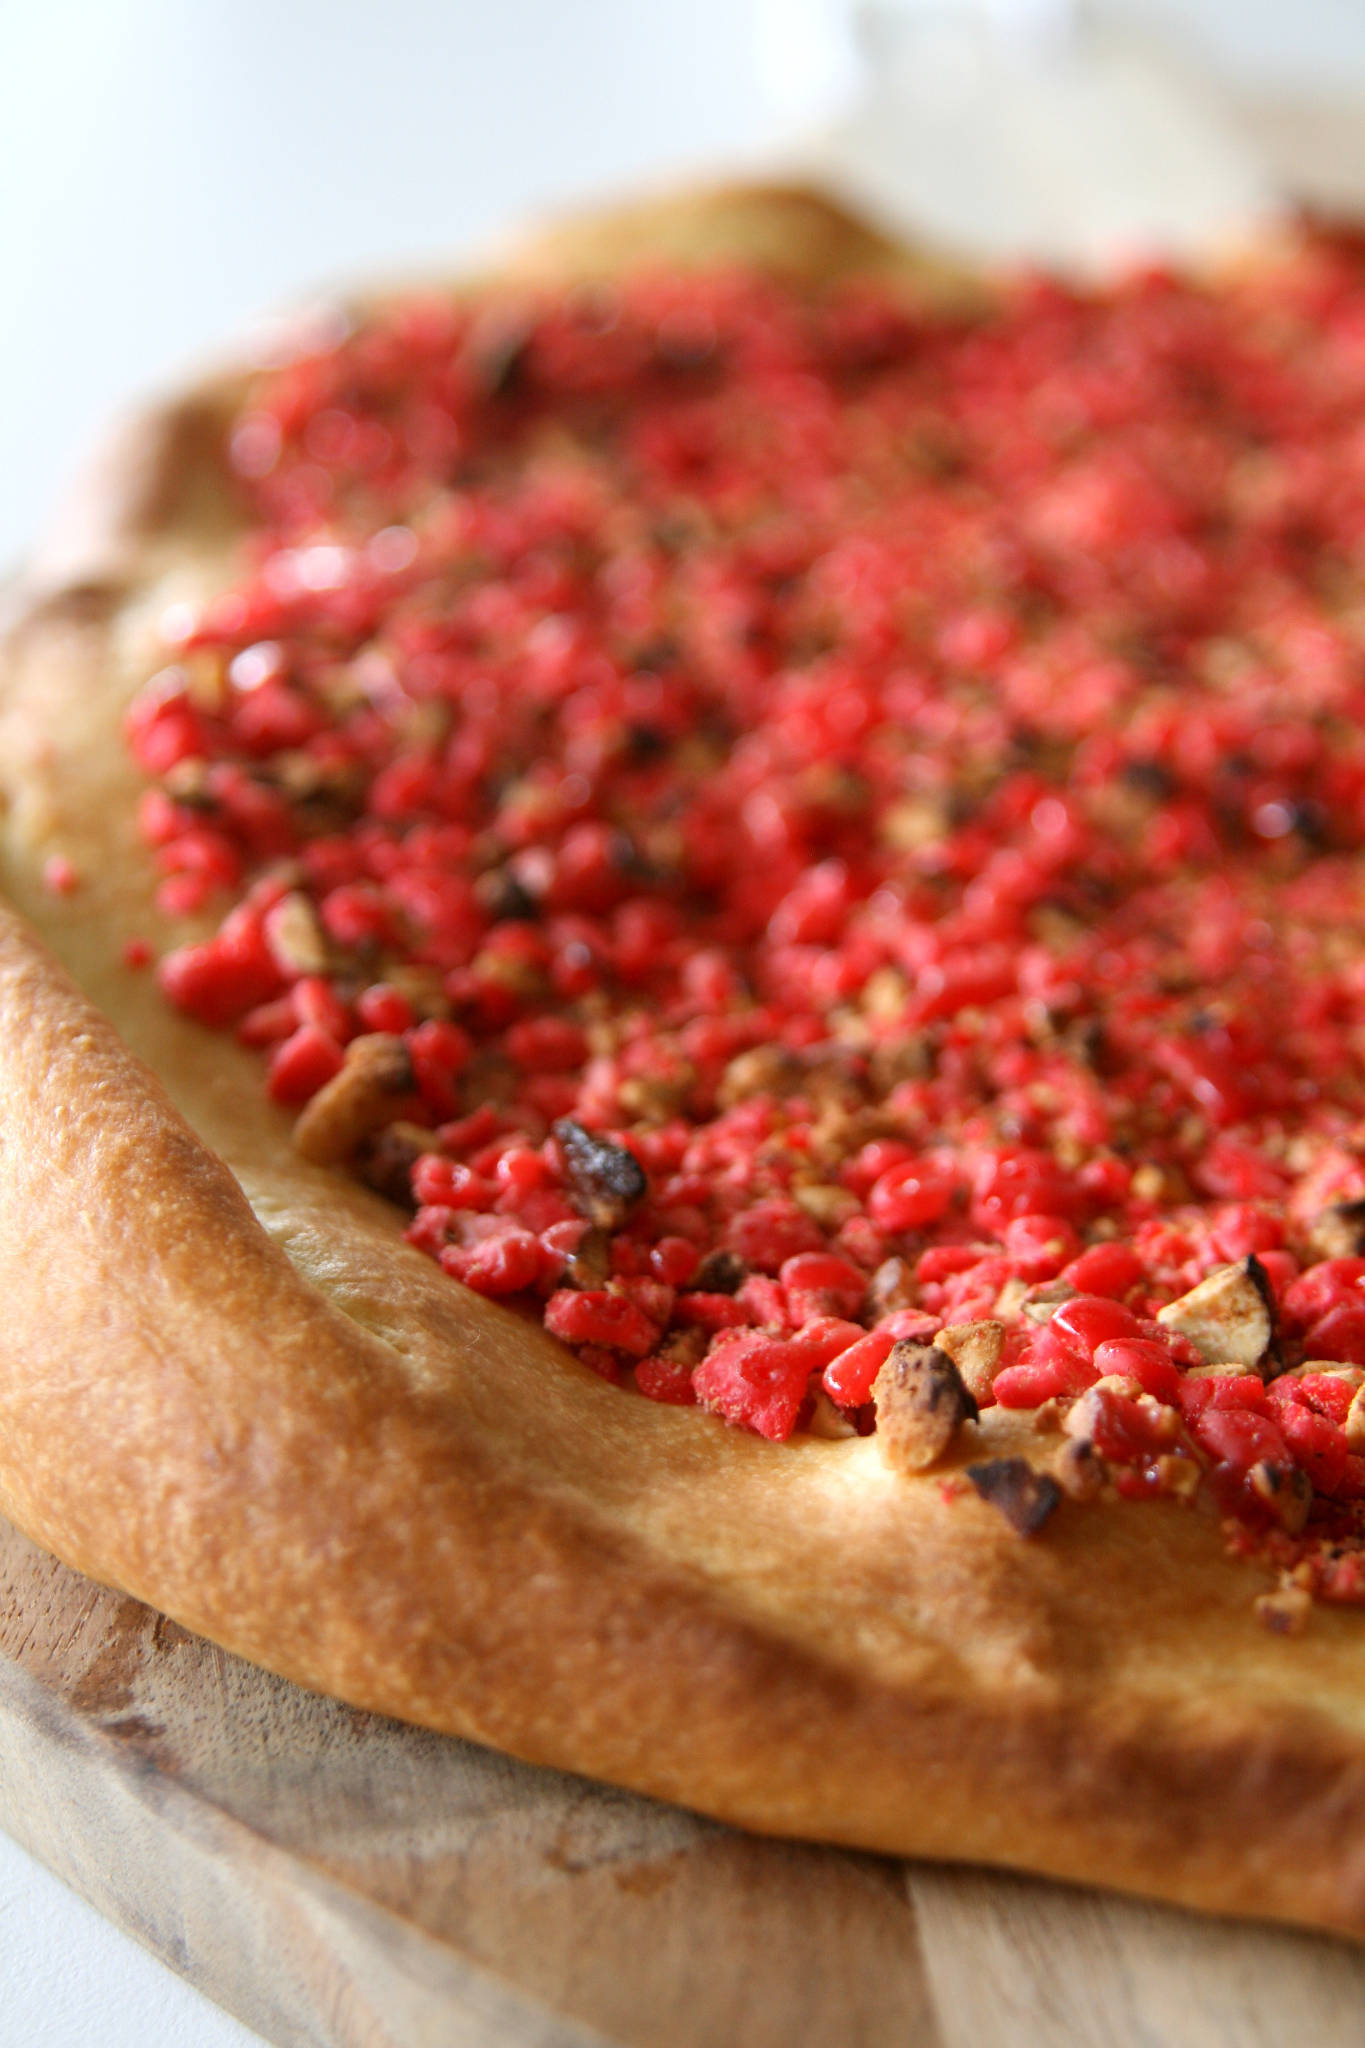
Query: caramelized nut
[
  {"x": 605, "y": 1180},
  {"x": 1027, "y": 1499},
  {"x": 1285, "y": 1491},
  {"x": 921, "y": 1405},
  {"x": 976, "y": 1349},
  {"x": 356, "y": 1102},
  {"x": 1229, "y": 1318}
]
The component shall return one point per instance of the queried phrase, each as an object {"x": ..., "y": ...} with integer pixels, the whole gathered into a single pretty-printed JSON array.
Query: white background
[{"x": 170, "y": 167}]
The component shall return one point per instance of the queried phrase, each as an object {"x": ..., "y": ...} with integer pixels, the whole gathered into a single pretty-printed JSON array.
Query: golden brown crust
[{"x": 228, "y": 1387}]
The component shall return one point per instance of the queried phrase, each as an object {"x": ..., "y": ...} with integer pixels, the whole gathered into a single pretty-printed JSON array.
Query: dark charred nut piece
[
  {"x": 720, "y": 1272},
  {"x": 1229, "y": 1318},
  {"x": 588, "y": 1264},
  {"x": 605, "y": 1181},
  {"x": 977, "y": 1350},
  {"x": 1285, "y": 1612},
  {"x": 1338, "y": 1232},
  {"x": 359, "y": 1100},
  {"x": 1284, "y": 1491},
  {"x": 1027, "y": 1499},
  {"x": 1079, "y": 1469},
  {"x": 386, "y": 1160},
  {"x": 921, "y": 1405}
]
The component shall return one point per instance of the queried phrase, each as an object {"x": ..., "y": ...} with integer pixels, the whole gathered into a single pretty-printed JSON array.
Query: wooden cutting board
[{"x": 342, "y": 1881}]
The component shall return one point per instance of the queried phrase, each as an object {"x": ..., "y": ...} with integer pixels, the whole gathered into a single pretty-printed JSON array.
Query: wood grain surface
[{"x": 342, "y": 1881}]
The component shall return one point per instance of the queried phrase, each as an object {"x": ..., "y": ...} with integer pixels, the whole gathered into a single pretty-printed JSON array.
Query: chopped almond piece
[
  {"x": 830, "y": 1206},
  {"x": 828, "y": 1421},
  {"x": 420, "y": 986},
  {"x": 1043, "y": 1302},
  {"x": 976, "y": 1349},
  {"x": 765, "y": 1070},
  {"x": 1338, "y": 1232},
  {"x": 1354, "y": 1426},
  {"x": 914, "y": 822},
  {"x": 1117, "y": 1383},
  {"x": 589, "y": 1263},
  {"x": 359, "y": 1100},
  {"x": 1325, "y": 1368},
  {"x": 1180, "y": 1476},
  {"x": 1010, "y": 1300},
  {"x": 1229, "y": 1317},
  {"x": 922, "y": 1403},
  {"x": 1083, "y": 1417},
  {"x": 295, "y": 938}
]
